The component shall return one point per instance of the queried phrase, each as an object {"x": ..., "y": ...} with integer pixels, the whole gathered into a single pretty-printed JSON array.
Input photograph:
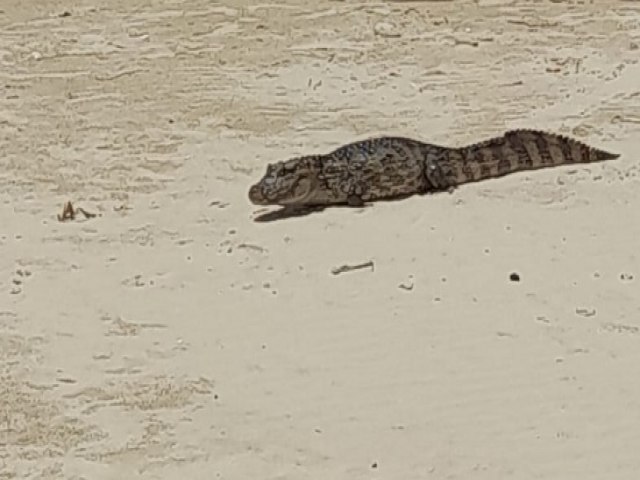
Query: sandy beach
[{"x": 494, "y": 334}]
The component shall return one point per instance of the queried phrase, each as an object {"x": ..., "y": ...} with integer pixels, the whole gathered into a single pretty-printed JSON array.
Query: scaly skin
[{"x": 391, "y": 167}]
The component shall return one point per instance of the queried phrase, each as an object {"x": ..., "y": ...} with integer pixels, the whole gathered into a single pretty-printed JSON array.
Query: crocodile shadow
[
  {"x": 288, "y": 212},
  {"x": 304, "y": 210}
]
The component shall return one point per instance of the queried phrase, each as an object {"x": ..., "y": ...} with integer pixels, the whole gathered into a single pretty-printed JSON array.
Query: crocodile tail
[{"x": 520, "y": 150}]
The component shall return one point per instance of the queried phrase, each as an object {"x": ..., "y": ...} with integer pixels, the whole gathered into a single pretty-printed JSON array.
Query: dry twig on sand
[
  {"x": 70, "y": 213},
  {"x": 350, "y": 268}
]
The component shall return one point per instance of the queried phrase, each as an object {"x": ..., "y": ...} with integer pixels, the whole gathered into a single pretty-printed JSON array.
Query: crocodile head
[{"x": 286, "y": 183}]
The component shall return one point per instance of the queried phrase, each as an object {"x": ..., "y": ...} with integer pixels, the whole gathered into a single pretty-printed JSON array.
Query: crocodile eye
[
  {"x": 269, "y": 180},
  {"x": 275, "y": 169}
]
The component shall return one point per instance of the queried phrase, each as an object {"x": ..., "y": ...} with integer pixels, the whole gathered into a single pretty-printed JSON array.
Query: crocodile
[{"x": 379, "y": 168}]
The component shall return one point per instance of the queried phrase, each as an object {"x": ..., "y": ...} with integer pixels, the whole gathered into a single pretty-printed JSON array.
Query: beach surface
[{"x": 173, "y": 330}]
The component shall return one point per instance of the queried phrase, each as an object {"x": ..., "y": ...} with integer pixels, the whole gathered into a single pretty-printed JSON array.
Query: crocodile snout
[{"x": 255, "y": 195}]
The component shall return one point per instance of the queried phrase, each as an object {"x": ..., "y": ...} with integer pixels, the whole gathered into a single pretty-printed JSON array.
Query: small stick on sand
[
  {"x": 69, "y": 213},
  {"x": 350, "y": 268}
]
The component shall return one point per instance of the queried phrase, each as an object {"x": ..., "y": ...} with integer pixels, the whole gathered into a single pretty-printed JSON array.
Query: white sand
[{"x": 174, "y": 337}]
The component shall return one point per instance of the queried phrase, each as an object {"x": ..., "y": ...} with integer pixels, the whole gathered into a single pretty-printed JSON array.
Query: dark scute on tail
[{"x": 603, "y": 155}]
